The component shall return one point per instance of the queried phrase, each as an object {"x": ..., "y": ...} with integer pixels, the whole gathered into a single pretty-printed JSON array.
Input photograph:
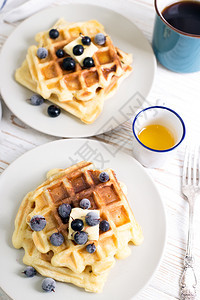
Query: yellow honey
[{"x": 156, "y": 137}]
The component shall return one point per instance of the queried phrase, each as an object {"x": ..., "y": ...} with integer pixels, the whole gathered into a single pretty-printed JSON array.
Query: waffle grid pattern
[
  {"x": 64, "y": 88},
  {"x": 71, "y": 189},
  {"x": 42, "y": 263},
  {"x": 83, "y": 84},
  {"x": 70, "y": 186}
]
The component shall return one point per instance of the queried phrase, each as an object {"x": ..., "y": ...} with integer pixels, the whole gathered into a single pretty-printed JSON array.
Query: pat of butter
[
  {"x": 79, "y": 213},
  {"x": 88, "y": 50}
]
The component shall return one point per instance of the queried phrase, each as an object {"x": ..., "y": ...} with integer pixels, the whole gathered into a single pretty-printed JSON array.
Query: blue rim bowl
[{"x": 172, "y": 111}]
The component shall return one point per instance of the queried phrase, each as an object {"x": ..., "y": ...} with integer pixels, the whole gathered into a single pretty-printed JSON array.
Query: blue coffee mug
[{"x": 174, "y": 49}]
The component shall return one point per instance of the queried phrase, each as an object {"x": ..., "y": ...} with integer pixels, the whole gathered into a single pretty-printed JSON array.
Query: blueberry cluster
[
  {"x": 38, "y": 223},
  {"x": 48, "y": 284},
  {"x": 78, "y": 50},
  {"x": 53, "y": 110},
  {"x": 64, "y": 210},
  {"x": 88, "y": 62},
  {"x": 81, "y": 237},
  {"x": 43, "y": 52},
  {"x": 68, "y": 63},
  {"x": 91, "y": 219}
]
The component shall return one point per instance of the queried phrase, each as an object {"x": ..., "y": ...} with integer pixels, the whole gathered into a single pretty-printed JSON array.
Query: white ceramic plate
[
  {"x": 130, "y": 96},
  {"x": 128, "y": 276}
]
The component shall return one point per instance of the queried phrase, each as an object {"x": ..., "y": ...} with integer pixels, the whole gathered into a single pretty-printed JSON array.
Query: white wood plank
[{"x": 151, "y": 293}]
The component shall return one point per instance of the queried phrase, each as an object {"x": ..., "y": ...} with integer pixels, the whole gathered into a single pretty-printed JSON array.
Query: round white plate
[
  {"x": 121, "y": 107},
  {"x": 128, "y": 276}
]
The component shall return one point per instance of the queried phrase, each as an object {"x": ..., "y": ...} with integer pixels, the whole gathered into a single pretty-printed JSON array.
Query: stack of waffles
[
  {"x": 71, "y": 262},
  {"x": 80, "y": 92}
]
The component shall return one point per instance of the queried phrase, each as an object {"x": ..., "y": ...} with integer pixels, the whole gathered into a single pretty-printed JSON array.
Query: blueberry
[
  {"x": 92, "y": 219},
  {"x": 64, "y": 210},
  {"x": 86, "y": 40},
  {"x": 48, "y": 285},
  {"x": 100, "y": 39},
  {"x": 81, "y": 238},
  {"x": 104, "y": 226},
  {"x": 29, "y": 271},
  {"x": 103, "y": 177},
  {"x": 42, "y": 53},
  {"x": 54, "y": 33},
  {"x": 36, "y": 100},
  {"x": 37, "y": 223},
  {"x": 77, "y": 225},
  {"x": 88, "y": 62},
  {"x": 57, "y": 239},
  {"x": 78, "y": 50},
  {"x": 85, "y": 203},
  {"x": 68, "y": 64},
  {"x": 60, "y": 53},
  {"x": 53, "y": 111},
  {"x": 91, "y": 248}
]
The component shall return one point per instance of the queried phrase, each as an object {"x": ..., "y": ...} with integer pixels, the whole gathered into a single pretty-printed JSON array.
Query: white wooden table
[{"x": 180, "y": 92}]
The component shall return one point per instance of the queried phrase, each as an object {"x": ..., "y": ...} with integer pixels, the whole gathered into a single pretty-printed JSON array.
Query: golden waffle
[
  {"x": 69, "y": 89},
  {"x": 42, "y": 261},
  {"x": 86, "y": 111},
  {"x": 70, "y": 186},
  {"x": 83, "y": 84}
]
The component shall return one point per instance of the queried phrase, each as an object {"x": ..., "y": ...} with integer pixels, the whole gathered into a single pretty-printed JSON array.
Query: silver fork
[{"x": 191, "y": 189}]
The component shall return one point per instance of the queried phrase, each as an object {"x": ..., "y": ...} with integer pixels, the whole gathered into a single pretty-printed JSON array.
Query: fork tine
[
  {"x": 195, "y": 165},
  {"x": 185, "y": 164},
  {"x": 189, "y": 172}
]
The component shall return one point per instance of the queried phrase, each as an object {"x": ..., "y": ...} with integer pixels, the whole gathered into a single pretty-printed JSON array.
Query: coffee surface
[{"x": 184, "y": 15}]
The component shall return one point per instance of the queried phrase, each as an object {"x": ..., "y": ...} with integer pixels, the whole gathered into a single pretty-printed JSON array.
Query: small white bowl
[{"x": 156, "y": 115}]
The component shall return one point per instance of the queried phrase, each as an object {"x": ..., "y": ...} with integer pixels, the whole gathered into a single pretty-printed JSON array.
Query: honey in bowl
[{"x": 156, "y": 137}]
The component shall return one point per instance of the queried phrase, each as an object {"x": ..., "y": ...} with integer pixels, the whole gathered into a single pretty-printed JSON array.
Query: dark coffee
[{"x": 184, "y": 15}]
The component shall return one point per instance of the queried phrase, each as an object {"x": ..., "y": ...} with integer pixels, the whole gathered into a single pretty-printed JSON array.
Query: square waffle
[
  {"x": 69, "y": 88},
  {"x": 70, "y": 186},
  {"x": 42, "y": 261},
  {"x": 80, "y": 83}
]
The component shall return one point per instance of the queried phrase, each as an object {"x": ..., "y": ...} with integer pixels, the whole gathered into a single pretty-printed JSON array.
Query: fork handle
[{"x": 188, "y": 281}]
